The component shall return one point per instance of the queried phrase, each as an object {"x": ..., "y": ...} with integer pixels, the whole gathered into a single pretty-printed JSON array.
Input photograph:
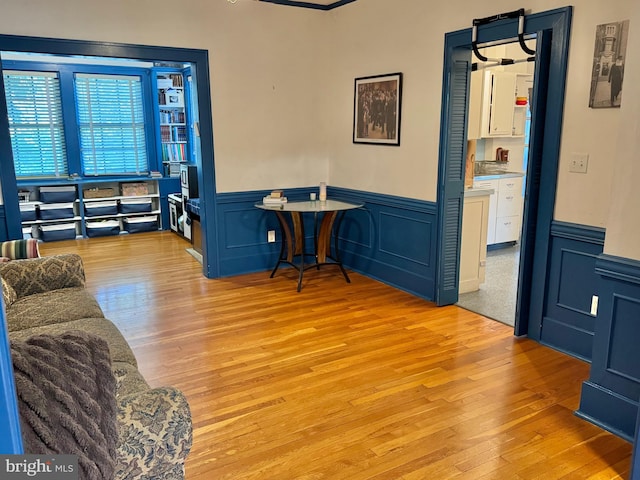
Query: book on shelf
[
  {"x": 172, "y": 116},
  {"x": 174, "y": 152}
]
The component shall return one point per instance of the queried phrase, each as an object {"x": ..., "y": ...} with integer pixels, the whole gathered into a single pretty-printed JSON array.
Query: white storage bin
[
  {"x": 54, "y": 211},
  {"x": 104, "y": 207},
  {"x": 58, "y": 231},
  {"x": 63, "y": 193},
  {"x": 147, "y": 223},
  {"x": 102, "y": 228},
  {"x": 28, "y": 212},
  {"x": 135, "y": 205}
]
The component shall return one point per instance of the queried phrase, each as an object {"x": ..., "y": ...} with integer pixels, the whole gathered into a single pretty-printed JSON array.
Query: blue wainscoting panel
[
  {"x": 390, "y": 239},
  {"x": 610, "y": 396},
  {"x": 242, "y": 234},
  {"x": 567, "y": 323}
]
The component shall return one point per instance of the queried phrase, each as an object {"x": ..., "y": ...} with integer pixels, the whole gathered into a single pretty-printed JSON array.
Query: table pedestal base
[{"x": 293, "y": 243}]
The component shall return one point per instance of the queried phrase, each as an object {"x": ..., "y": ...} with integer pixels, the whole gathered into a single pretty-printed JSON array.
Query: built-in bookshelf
[{"x": 173, "y": 121}]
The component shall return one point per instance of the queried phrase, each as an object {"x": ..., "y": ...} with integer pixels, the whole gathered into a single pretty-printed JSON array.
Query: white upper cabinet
[{"x": 492, "y": 108}]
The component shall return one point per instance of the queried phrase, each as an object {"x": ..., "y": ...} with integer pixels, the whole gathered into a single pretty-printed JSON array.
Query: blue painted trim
[
  {"x": 581, "y": 233},
  {"x": 373, "y": 239},
  {"x": 3, "y": 225},
  {"x": 549, "y": 105},
  {"x": 7, "y": 172},
  {"x": 635, "y": 459},
  {"x": 610, "y": 396},
  {"x": 314, "y": 6},
  {"x": 567, "y": 323},
  {"x": 199, "y": 60},
  {"x": 67, "y": 73},
  {"x": 618, "y": 268},
  {"x": 10, "y": 436},
  {"x": 613, "y": 410}
]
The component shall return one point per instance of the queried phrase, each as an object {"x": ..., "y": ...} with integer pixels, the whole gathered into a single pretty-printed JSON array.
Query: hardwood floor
[{"x": 342, "y": 381}]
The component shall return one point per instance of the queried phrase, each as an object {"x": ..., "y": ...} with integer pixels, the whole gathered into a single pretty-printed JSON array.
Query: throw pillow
[
  {"x": 66, "y": 399},
  {"x": 20, "y": 249}
]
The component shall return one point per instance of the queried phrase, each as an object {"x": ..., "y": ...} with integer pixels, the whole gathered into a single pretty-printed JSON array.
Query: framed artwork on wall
[
  {"x": 607, "y": 72},
  {"x": 376, "y": 109}
]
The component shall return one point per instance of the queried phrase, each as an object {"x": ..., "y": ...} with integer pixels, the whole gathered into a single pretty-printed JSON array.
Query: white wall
[
  {"x": 374, "y": 37},
  {"x": 263, "y": 60},
  {"x": 282, "y": 91}
]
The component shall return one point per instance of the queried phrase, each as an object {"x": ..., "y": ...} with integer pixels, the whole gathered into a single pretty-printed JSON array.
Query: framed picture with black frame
[{"x": 376, "y": 109}]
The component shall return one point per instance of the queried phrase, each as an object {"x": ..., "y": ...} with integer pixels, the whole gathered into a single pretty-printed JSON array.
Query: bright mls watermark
[{"x": 51, "y": 467}]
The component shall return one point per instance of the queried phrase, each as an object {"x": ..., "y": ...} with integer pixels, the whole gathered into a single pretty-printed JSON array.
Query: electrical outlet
[
  {"x": 579, "y": 162},
  {"x": 271, "y": 236},
  {"x": 594, "y": 305}
]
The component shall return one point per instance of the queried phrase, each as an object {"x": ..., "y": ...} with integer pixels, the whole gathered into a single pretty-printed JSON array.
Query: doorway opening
[
  {"x": 498, "y": 127},
  {"x": 198, "y": 62}
]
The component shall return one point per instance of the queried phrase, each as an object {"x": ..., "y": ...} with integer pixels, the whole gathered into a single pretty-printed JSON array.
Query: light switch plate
[{"x": 579, "y": 162}]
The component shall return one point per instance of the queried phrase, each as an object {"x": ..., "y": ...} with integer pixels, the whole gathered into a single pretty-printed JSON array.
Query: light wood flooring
[{"x": 342, "y": 381}]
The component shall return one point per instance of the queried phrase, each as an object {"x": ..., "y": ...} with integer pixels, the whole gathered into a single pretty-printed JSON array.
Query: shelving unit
[
  {"x": 172, "y": 119},
  {"x": 120, "y": 209}
]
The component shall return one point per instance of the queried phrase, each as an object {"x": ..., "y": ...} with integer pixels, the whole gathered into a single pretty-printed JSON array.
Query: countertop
[
  {"x": 497, "y": 176},
  {"x": 478, "y": 192}
]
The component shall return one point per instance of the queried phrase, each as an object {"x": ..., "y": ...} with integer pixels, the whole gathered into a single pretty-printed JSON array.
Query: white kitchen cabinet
[
  {"x": 505, "y": 209},
  {"x": 473, "y": 248},
  {"x": 492, "y": 107},
  {"x": 509, "y": 210},
  {"x": 498, "y": 103},
  {"x": 492, "y": 213}
]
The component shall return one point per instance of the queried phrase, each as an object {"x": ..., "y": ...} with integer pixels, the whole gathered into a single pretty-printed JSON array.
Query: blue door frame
[
  {"x": 199, "y": 59},
  {"x": 552, "y": 30}
]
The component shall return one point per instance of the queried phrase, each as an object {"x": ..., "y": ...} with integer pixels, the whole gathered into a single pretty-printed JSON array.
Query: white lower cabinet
[
  {"x": 473, "y": 248},
  {"x": 493, "y": 207},
  {"x": 505, "y": 210}
]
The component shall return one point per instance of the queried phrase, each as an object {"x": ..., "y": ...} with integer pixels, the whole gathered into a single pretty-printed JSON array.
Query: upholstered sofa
[{"x": 47, "y": 296}]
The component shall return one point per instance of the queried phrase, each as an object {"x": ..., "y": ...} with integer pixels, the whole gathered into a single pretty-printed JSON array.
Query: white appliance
[
  {"x": 189, "y": 187},
  {"x": 175, "y": 212}
]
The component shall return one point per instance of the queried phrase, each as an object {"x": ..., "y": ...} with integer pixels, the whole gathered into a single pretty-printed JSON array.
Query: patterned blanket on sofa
[{"x": 66, "y": 399}]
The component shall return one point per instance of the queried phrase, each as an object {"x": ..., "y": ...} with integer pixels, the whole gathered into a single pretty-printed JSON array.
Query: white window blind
[
  {"x": 111, "y": 124},
  {"x": 35, "y": 123}
]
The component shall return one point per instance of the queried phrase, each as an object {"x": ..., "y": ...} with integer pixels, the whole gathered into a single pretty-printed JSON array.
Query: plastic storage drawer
[
  {"x": 135, "y": 205},
  {"x": 28, "y": 212},
  {"x": 105, "y": 207},
  {"x": 60, "y": 231},
  {"x": 58, "y": 194},
  {"x": 55, "y": 211},
  {"x": 141, "y": 224},
  {"x": 102, "y": 228}
]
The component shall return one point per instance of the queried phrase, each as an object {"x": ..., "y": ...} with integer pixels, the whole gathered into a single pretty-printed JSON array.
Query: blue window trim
[{"x": 66, "y": 73}]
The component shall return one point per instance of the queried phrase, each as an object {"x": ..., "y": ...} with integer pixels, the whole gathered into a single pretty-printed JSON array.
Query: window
[
  {"x": 111, "y": 124},
  {"x": 35, "y": 123}
]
